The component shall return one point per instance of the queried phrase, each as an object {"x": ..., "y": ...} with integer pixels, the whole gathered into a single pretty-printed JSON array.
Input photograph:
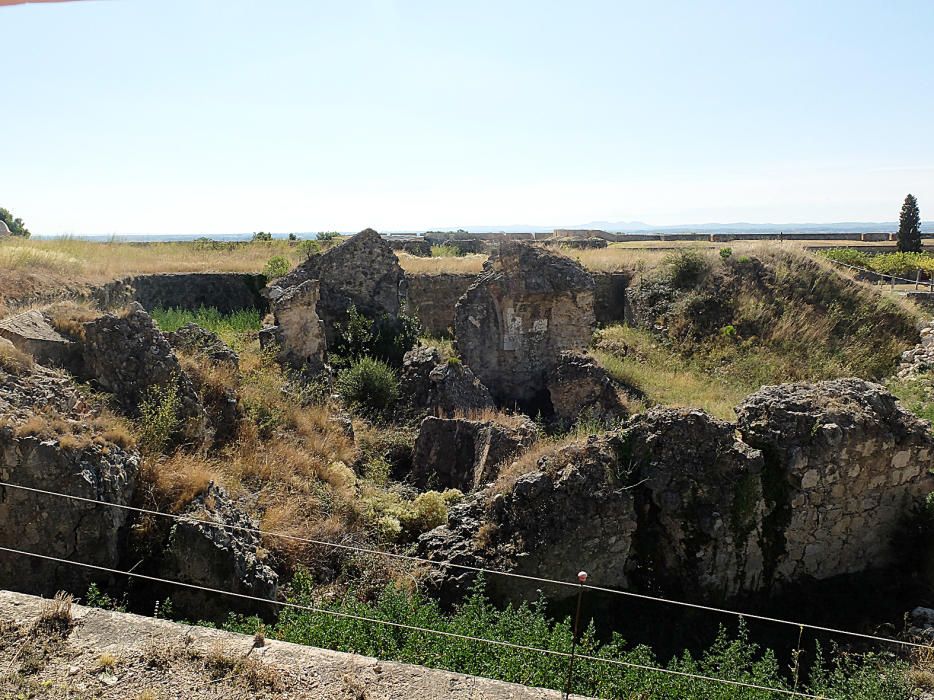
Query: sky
[{"x": 220, "y": 116}]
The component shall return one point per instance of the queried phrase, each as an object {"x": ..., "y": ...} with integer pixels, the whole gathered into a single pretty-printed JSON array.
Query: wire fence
[
  {"x": 882, "y": 277},
  {"x": 424, "y": 630},
  {"x": 478, "y": 569}
]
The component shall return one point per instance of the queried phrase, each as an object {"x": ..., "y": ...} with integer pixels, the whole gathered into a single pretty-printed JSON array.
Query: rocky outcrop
[
  {"x": 432, "y": 299},
  {"x": 215, "y": 557},
  {"x": 581, "y": 389},
  {"x": 127, "y": 355},
  {"x": 298, "y": 333},
  {"x": 919, "y": 359},
  {"x": 363, "y": 271},
  {"x": 195, "y": 340},
  {"x": 50, "y": 440},
  {"x": 32, "y": 333},
  {"x": 811, "y": 482},
  {"x": 465, "y": 454},
  {"x": 527, "y": 307},
  {"x": 441, "y": 387}
]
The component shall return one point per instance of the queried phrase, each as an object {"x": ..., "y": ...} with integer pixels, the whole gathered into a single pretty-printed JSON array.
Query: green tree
[
  {"x": 16, "y": 226},
  {"x": 909, "y": 226}
]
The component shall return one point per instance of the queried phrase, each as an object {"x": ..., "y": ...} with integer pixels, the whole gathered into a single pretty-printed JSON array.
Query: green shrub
[
  {"x": 310, "y": 248},
  {"x": 369, "y": 387},
  {"x": 850, "y": 256},
  {"x": 384, "y": 338},
  {"x": 446, "y": 251},
  {"x": 277, "y": 266},
  {"x": 686, "y": 268},
  {"x": 731, "y": 656},
  {"x": 726, "y": 252},
  {"x": 261, "y": 236},
  {"x": 159, "y": 418},
  {"x": 327, "y": 236}
]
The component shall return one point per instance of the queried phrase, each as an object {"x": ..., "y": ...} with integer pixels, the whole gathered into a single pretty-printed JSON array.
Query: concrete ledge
[{"x": 304, "y": 672}]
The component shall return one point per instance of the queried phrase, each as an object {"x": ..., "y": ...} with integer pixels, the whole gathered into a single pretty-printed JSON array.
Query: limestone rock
[
  {"x": 215, "y": 557},
  {"x": 441, "y": 388},
  {"x": 362, "y": 271},
  {"x": 579, "y": 387},
  {"x": 845, "y": 463},
  {"x": 32, "y": 333},
  {"x": 299, "y": 332},
  {"x": 195, "y": 340},
  {"x": 527, "y": 307},
  {"x": 811, "y": 482},
  {"x": 128, "y": 356},
  {"x": 465, "y": 454},
  {"x": 82, "y": 465}
]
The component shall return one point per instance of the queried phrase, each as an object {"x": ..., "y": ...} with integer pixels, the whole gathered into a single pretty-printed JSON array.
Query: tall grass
[{"x": 230, "y": 327}]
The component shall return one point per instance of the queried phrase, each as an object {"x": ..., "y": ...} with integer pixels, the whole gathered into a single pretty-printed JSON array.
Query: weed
[
  {"x": 277, "y": 266},
  {"x": 369, "y": 387},
  {"x": 159, "y": 418}
]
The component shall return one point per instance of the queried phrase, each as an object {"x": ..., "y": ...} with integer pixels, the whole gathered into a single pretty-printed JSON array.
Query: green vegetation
[
  {"x": 277, "y": 266},
  {"x": 369, "y": 387},
  {"x": 260, "y": 236},
  {"x": 230, "y": 327},
  {"x": 383, "y": 338},
  {"x": 917, "y": 394},
  {"x": 158, "y": 418},
  {"x": 446, "y": 251},
  {"x": 328, "y": 236},
  {"x": 899, "y": 264},
  {"x": 868, "y": 677},
  {"x": 16, "y": 225},
  {"x": 909, "y": 226}
]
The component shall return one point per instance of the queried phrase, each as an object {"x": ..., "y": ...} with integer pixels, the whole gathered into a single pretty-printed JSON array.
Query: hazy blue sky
[{"x": 294, "y": 115}]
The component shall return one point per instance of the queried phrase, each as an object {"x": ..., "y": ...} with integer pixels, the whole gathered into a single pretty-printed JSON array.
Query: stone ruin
[
  {"x": 813, "y": 481},
  {"x": 363, "y": 271},
  {"x": 527, "y": 307},
  {"x": 298, "y": 333}
]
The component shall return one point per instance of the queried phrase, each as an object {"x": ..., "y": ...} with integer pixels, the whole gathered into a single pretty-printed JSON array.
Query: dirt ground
[{"x": 92, "y": 653}]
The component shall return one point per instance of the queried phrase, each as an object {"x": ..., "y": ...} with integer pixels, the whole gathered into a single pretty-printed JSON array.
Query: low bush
[
  {"x": 159, "y": 418},
  {"x": 732, "y": 657},
  {"x": 369, "y": 387},
  {"x": 446, "y": 251},
  {"x": 686, "y": 267},
  {"x": 384, "y": 338},
  {"x": 277, "y": 266}
]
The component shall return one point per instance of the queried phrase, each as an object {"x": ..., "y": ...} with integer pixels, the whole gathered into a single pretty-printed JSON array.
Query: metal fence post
[{"x": 582, "y": 579}]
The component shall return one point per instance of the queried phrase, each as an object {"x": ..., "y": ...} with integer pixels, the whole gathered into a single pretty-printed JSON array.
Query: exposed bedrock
[
  {"x": 127, "y": 355},
  {"x": 363, "y": 271},
  {"x": 195, "y": 340},
  {"x": 215, "y": 556},
  {"x": 465, "y": 454},
  {"x": 811, "y": 482},
  {"x": 580, "y": 388},
  {"x": 70, "y": 456},
  {"x": 441, "y": 387},
  {"x": 527, "y": 307}
]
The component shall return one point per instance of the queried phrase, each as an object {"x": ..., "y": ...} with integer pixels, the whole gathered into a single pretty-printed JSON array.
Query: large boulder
[
  {"x": 51, "y": 439},
  {"x": 811, "y": 482},
  {"x": 580, "y": 388},
  {"x": 32, "y": 333},
  {"x": 465, "y": 454},
  {"x": 441, "y": 387},
  {"x": 298, "y": 334},
  {"x": 225, "y": 555},
  {"x": 127, "y": 355},
  {"x": 363, "y": 271},
  {"x": 527, "y": 307}
]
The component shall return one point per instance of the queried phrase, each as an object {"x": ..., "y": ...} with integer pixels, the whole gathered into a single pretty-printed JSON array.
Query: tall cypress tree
[{"x": 909, "y": 226}]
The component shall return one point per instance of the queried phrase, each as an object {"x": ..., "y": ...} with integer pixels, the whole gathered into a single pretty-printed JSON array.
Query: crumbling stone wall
[
  {"x": 811, "y": 482},
  {"x": 432, "y": 299},
  {"x": 527, "y": 307},
  {"x": 225, "y": 291},
  {"x": 363, "y": 271},
  {"x": 298, "y": 333}
]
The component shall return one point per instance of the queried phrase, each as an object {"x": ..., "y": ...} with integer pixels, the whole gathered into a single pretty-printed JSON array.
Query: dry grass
[
  {"x": 13, "y": 360},
  {"x": 173, "y": 482},
  {"x": 223, "y": 663},
  {"x": 491, "y": 415},
  {"x": 529, "y": 461},
  {"x": 69, "y": 317},
  {"x": 55, "y": 613},
  {"x": 415, "y": 265},
  {"x": 102, "y": 430}
]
